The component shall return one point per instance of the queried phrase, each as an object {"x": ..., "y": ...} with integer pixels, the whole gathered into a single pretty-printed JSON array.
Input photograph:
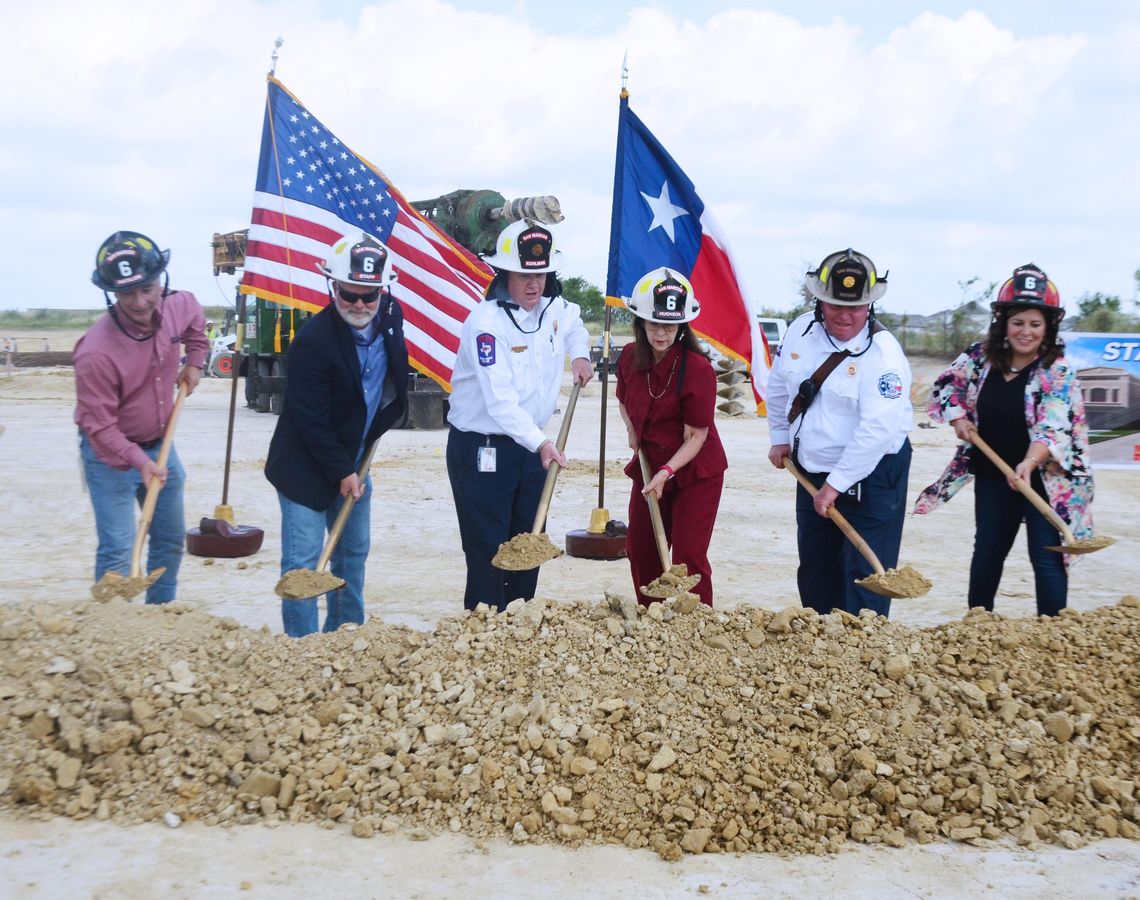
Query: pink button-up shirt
[{"x": 125, "y": 388}]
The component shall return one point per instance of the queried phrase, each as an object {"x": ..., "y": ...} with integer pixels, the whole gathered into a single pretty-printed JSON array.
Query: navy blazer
[{"x": 322, "y": 420}]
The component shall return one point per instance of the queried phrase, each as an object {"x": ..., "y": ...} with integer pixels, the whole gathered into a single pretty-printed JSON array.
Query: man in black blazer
[{"x": 347, "y": 384}]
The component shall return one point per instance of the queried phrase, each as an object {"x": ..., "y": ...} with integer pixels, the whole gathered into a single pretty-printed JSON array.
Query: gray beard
[{"x": 357, "y": 320}]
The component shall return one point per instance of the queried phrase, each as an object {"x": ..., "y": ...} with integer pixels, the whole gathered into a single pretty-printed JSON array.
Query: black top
[
  {"x": 322, "y": 423},
  {"x": 1001, "y": 414}
]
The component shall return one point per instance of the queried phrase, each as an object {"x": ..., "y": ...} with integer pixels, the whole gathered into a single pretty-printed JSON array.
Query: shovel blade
[
  {"x": 899, "y": 584},
  {"x": 113, "y": 586},
  {"x": 1085, "y": 545},
  {"x": 304, "y": 584},
  {"x": 525, "y": 551},
  {"x": 673, "y": 583}
]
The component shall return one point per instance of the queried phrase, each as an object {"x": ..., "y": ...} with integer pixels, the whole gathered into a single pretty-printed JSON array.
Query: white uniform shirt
[
  {"x": 506, "y": 381},
  {"x": 862, "y": 411}
]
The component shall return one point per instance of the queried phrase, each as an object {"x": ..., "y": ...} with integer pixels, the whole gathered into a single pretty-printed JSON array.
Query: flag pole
[
  {"x": 606, "y": 337},
  {"x": 600, "y": 540}
]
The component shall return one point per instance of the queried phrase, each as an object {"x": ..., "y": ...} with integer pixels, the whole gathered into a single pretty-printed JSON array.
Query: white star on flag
[
  {"x": 664, "y": 212},
  {"x": 292, "y": 228}
]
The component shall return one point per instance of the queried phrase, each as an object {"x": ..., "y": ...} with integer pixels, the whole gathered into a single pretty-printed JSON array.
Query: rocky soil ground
[{"x": 678, "y": 728}]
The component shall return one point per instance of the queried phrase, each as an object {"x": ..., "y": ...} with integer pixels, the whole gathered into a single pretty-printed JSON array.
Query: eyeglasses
[{"x": 368, "y": 297}]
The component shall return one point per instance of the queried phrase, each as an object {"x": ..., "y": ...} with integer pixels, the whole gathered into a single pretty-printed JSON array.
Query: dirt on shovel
[
  {"x": 305, "y": 584},
  {"x": 673, "y": 582},
  {"x": 525, "y": 551},
  {"x": 904, "y": 583},
  {"x": 530, "y": 549},
  {"x": 301, "y": 584},
  {"x": 900, "y": 584},
  {"x": 1084, "y": 545},
  {"x": 1069, "y": 542},
  {"x": 113, "y": 586}
]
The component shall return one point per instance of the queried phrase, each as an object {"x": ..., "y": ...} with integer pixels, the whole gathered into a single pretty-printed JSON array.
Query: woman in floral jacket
[{"x": 1020, "y": 395}]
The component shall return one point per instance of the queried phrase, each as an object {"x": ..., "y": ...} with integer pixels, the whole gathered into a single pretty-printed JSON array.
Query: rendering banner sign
[{"x": 1108, "y": 368}]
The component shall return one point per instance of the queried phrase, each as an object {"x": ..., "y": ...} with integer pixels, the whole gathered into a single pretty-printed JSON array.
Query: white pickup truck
[{"x": 774, "y": 331}]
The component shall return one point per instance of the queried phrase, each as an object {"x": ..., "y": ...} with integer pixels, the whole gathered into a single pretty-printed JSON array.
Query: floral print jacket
[{"x": 1054, "y": 415}]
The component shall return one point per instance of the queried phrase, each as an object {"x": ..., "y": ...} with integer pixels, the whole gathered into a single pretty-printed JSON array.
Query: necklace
[{"x": 649, "y": 385}]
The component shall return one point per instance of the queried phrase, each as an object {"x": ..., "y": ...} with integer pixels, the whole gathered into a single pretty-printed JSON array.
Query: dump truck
[{"x": 473, "y": 218}]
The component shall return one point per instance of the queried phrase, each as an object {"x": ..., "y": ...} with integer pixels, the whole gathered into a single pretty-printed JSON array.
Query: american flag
[{"x": 311, "y": 189}]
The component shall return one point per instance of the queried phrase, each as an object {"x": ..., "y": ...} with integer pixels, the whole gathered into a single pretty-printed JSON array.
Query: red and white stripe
[{"x": 439, "y": 281}]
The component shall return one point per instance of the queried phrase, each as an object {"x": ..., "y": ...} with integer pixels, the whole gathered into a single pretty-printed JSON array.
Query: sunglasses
[{"x": 368, "y": 297}]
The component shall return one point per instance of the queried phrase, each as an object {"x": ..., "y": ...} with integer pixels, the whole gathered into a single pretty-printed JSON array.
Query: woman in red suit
[{"x": 666, "y": 391}]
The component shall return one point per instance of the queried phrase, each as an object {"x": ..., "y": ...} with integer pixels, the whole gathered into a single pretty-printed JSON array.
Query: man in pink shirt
[{"x": 127, "y": 367}]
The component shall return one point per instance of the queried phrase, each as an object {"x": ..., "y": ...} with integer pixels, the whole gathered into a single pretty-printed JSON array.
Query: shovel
[
  {"x": 895, "y": 583},
  {"x": 304, "y": 584},
  {"x": 1071, "y": 544},
  {"x": 673, "y": 580},
  {"x": 533, "y": 548},
  {"x": 112, "y": 584}
]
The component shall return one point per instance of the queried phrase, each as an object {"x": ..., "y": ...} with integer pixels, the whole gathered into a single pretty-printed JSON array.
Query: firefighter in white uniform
[
  {"x": 505, "y": 385},
  {"x": 847, "y": 431}
]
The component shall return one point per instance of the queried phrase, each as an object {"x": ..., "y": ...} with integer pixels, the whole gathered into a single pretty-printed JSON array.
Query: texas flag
[{"x": 658, "y": 220}]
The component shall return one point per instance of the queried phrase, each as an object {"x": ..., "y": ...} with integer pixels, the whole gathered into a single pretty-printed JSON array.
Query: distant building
[
  {"x": 1112, "y": 398},
  {"x": 935, "y": 331}
]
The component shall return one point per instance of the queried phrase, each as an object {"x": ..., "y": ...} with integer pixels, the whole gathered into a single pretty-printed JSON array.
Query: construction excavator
[{"x": 473, "y": 218}]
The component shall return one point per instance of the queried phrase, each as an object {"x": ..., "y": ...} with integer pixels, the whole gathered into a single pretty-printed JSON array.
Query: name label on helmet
[{"x": 534, "y": 248}]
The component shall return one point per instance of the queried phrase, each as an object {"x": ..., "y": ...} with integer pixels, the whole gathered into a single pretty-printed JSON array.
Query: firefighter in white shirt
[
  {"x": 846, "y": 428},
  {"x": 508, "y": 373}
]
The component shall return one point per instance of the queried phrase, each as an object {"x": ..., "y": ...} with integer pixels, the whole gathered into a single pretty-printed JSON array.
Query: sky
[{"x": 948, "y": 141}]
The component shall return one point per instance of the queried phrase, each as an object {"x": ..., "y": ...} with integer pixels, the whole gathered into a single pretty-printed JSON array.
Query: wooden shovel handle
[
  {"x": 345, "y": 510},
  {"x": 1026, "y": 489},
  {"x": 152, "y": 489},
  {"x": 839, "y": 519},
  {"x": 654, "y": 512},
  {"x": 552, "y": 473}
]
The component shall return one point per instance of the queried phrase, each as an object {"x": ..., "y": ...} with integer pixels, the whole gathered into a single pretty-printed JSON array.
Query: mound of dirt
[{"x": 708, "y": 730}]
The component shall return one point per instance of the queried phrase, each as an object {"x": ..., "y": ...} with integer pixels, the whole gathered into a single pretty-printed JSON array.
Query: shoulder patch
[
  {"x": 485, "y": 346},
  {"x": 890, "y": 385}
]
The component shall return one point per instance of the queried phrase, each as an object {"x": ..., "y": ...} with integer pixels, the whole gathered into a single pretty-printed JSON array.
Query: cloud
[{"x": 943, "y": 147}]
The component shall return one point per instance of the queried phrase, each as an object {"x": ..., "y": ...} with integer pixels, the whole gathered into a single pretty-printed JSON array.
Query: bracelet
[{"x": 668, "y": 469}]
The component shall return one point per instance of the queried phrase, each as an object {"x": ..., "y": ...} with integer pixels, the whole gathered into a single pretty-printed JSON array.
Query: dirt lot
[{"x": 415, "y": 577}]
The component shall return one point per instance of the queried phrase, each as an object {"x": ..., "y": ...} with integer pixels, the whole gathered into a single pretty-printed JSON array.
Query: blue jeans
[
  {"x": 302, "y": 539},
  {"x": 829, "y": 563},
  {"x": 998, "y": 513},
  {"x": 115, "y": 495}
]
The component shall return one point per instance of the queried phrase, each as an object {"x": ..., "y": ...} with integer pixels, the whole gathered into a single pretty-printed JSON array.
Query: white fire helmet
[
  {"x": 359, "y": 258},
  {"x": 525, "y": 246},
  {"x": 664, "y": 296}
]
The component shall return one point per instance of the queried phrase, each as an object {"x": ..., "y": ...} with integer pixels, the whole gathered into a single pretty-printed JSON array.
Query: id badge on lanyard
[{"x": 485, "y": 458}]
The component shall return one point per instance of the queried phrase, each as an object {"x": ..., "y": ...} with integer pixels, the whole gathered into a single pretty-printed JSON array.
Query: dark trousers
[
  {"x": 692, "y": 510},
  {"x": 492, "y": 508},
  {"x": 998, "y": 513},
  {"x": 829, "y": 563}
]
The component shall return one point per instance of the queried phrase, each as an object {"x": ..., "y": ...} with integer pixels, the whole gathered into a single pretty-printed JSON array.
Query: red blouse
[{"x": 659, "y": 415}]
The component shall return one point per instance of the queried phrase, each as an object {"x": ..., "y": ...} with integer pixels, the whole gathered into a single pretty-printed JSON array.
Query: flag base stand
[{"x": 604, "y": 539}]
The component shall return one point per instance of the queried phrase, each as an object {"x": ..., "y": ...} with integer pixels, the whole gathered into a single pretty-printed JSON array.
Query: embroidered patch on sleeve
[
  {"x": 485, "y": 344},
  {"x": 890, "y": 386}
]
